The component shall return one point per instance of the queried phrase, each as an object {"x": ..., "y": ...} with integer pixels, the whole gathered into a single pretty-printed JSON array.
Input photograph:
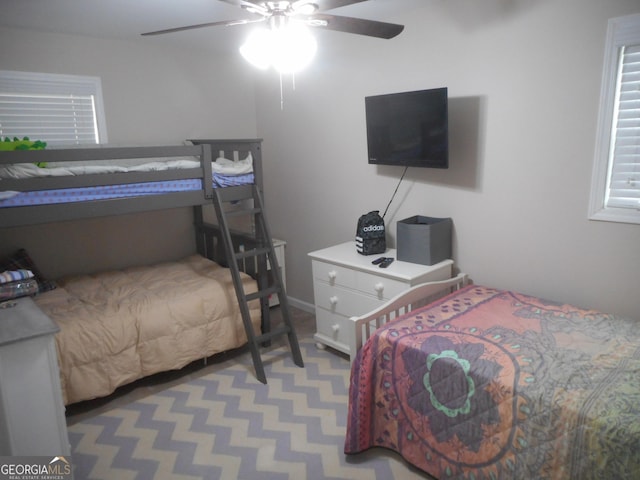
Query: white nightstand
[{"x": 346, "y": 284}]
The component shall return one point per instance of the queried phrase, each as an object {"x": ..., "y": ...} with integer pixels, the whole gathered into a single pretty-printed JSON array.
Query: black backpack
[{"x": 370, "y": 234}]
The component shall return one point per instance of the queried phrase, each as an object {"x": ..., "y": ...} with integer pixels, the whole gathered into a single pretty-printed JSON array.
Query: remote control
[
  {"x": 386, "y": 262},
  {"x": 379, "y": 260}
]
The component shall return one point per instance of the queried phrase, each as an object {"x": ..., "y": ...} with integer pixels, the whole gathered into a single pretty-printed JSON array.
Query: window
[
  {"x": 57, "y": 109},
  {"x": 615, "y": 189}
]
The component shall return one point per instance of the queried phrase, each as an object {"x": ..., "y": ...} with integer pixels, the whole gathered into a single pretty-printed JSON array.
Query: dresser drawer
[
  {"x": 382, "y": 288},
  {"x": 334, "y": 330},
  {"x": 333, "y": 274},
  {"x": 368, "y": 283},
  {"x": 343, "y": 301}
]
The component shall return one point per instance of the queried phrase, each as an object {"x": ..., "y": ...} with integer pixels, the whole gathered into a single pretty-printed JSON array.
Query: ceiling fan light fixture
[
  {"x": 254, "y": 8},
  {"x": 316, "y": 22},
  {"x": 295, "y": 47},
  {"x": 289, "y": 48},
  {"x": 257, "y": 48},
  {"x": 308, "y": 8}
]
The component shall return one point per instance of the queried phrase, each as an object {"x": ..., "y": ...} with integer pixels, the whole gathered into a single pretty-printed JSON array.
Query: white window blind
[
  {"x": 624, "y": 176},
  {"x": 57, "y": 109},
  {"x": 615, "y": 189}
]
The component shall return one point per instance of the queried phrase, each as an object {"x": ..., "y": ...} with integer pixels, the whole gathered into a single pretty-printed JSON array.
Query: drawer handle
[
  {"x": 333, "y": 300},
  {"x": 332, "y": 275},
  {"x": 335, "y": 328},
  {"x": 379, "y": 287}
]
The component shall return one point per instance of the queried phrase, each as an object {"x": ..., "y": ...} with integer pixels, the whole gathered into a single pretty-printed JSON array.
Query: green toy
[
  {"x": 25, "y": 144},
  {"x": 9, "y": 145}
]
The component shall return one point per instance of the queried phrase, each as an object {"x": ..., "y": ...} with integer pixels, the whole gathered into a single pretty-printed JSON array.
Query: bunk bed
[
  {"x": 493, "y": 384},
  {"x": 60, "y": 184},
  {"x": 118, "y": 326}
]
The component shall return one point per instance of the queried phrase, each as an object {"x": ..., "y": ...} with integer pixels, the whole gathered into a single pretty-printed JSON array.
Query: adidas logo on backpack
[{"x": 370, "y": 234}]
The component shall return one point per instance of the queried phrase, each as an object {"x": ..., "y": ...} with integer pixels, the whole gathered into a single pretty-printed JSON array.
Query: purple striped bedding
[{"x": 82, "y": 194}]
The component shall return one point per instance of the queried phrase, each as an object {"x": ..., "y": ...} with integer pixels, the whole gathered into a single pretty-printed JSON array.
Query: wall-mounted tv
[{"x": 408, "y": 128}]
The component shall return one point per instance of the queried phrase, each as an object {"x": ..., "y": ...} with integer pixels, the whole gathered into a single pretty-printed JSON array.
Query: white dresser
[
  {"x": 32, "y": 420},
  {"x": 347, "y": 284}
]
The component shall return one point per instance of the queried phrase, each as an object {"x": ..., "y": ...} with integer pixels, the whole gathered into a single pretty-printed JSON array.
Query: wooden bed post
[{"x": 198, "y": 222}]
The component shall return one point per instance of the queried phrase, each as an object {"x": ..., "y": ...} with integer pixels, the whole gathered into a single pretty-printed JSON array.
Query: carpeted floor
[{"x": 218, "y": 422}]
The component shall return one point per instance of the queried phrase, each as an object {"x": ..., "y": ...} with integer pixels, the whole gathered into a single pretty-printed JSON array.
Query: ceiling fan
[{"x": 309, "y": 12}]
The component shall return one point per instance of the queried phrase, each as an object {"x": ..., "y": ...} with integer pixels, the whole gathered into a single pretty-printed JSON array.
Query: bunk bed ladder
[{"x": 263, "y": 252}]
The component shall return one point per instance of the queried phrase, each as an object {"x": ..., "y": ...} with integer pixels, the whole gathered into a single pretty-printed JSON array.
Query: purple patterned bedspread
[
  {"x": 489, "y": 384},
  {"x": 82, "y": 194}
]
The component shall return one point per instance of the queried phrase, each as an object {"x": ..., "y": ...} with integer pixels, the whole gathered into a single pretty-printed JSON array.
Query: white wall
[
  {"x": 152, "y": 95},
  {"x": 524, "y": 80},
  {"x": 524, "y": 83}
]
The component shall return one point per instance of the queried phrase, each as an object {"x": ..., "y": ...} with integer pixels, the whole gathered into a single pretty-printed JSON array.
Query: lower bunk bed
[
  {"x": 122, "y": 325},
  {"x": 493, "y": 384}
]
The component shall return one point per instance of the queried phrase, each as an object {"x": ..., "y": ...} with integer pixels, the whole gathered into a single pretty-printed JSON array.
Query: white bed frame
[{"x": 417, "y": 296}]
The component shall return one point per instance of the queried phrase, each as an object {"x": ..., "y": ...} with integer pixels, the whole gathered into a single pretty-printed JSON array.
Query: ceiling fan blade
[
  {"x": 360, "y": 26},
  {"x": 226, "y": 23},
  {"x": 242, "y": 3},
  {"x": 326, "y": 4}
]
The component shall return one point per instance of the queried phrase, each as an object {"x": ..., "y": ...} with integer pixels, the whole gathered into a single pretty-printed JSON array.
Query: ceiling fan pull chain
[{"x": 281, "y": 93}]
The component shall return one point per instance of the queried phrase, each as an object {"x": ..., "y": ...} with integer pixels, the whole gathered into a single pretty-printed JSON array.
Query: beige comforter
[{"x": 116, "y": 327}]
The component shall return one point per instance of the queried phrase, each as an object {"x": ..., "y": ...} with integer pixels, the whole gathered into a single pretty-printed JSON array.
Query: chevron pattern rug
[{"x": 221, "y": 423}]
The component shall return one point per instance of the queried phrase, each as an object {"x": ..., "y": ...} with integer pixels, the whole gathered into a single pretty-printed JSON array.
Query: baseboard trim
[{"x": 305, "y": 306}]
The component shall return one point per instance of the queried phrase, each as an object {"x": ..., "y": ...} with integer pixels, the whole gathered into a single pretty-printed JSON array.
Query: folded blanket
[
  {"x": 15, "y": 275},
  {"x": 18, "y": 288},
  {"x": 225, "y": 166}
]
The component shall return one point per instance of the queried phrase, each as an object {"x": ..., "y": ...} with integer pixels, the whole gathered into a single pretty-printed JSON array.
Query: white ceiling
[{"x": 127, "y": 19}]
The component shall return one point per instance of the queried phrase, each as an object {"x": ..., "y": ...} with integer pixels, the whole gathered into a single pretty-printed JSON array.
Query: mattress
[
  {"x": 118, "y": 326},
  {"x": 226, "y": 173},
  {"x": 492, "y": 384},
  {"x": 104, "y": 192}
]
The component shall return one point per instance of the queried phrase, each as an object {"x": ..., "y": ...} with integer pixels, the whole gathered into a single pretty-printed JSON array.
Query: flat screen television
[{"x": 408, "y": 128}]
